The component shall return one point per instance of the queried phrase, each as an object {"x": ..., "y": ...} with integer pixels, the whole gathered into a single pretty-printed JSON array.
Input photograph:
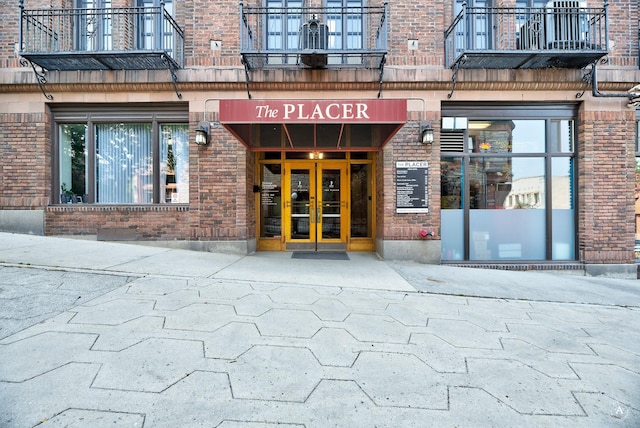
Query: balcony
[
  {"x": 313, "y": 37},
  {"x": 129, "y": 38},
  {"x": 561, "y": 35}
]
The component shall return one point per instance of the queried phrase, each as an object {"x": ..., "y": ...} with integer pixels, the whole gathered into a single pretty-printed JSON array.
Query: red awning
[{"x": 299, "y": 125}]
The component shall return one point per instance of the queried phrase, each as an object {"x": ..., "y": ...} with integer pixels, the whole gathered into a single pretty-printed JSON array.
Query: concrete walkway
[{"x": 97, "y": 334}]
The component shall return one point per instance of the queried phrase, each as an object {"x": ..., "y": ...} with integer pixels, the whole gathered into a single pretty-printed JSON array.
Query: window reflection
[
  {"x": 495, "y": 206},
  {"x": 507, "y": 136},
  {"x": 270, "y": 200}
]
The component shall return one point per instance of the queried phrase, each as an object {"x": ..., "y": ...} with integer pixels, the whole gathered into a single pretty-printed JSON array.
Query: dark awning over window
[{"x": 295, "y": 125}]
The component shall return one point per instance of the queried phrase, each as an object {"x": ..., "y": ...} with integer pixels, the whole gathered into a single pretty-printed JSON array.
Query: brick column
[{"x": 606, "y": 181}]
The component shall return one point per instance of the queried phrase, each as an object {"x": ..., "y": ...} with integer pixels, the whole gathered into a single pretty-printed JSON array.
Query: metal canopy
[{"x": 309, "y": 125}]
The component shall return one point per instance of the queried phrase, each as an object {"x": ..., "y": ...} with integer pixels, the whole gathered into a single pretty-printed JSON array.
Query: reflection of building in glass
[{"x": 526, "y": 192}]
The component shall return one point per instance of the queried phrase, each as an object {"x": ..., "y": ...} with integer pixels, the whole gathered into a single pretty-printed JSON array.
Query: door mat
[{"x": 320, "y": 255}]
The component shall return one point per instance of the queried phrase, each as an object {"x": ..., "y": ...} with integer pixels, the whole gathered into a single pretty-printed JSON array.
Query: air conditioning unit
[
  {"x": 566, "y": 24},
  {"x": 314, "y": 41}
]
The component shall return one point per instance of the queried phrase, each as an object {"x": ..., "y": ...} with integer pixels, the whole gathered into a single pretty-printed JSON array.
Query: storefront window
[
  {"x": 123, "y": 163},
  {"x": 497, "y": 192}
]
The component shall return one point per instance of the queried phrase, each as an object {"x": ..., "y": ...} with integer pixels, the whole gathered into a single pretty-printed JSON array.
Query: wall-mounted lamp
[
  {"x": 202, "y": 133},
  {"x": 426, "y": 133}
]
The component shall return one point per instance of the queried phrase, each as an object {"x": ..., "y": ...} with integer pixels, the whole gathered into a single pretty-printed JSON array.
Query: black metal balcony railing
[
  {"x": 314, "y": 37},
  {"x": 561, "y": 35},
  {"x": 129, "y": 38}
]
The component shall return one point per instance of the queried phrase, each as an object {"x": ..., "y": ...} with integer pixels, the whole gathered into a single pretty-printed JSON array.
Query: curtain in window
[{"x": 124, "y": 164}]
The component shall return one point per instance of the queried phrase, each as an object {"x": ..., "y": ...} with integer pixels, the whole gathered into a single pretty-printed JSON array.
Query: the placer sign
[
  {"x": 412, "y": 187},
  {"x": 301, "y": 111},
  {"x": 313, "y": 111}
]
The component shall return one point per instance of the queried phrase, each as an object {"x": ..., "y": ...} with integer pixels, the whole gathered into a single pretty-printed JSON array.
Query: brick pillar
[{"x": 606, "y": 182}]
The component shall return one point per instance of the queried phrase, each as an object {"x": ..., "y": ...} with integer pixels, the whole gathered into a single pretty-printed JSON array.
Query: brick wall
[
  {"x": 25, "y": 152},
  {"x": 422, "y": 21},
  {"x": 606, "y": 185},
  {"x": 219, "y": 188},
  {"x": 212, "y": 21},
  {"x": 406, "y": 147},
  {"x": 623, "y": 32},
  {"x": 165, "y": 222},
  {"x": 10, "y": 13}
]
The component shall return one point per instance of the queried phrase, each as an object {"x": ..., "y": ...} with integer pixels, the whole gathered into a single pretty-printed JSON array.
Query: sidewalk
[{"x": 99, "y": 334}]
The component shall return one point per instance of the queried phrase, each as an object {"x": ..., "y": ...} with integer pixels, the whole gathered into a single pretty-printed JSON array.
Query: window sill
[{"x": 118, "y": 207}]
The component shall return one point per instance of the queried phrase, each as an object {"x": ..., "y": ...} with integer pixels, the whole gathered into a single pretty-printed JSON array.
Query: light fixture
[
  {"x": 426, "y": 133},
  {"x": 479, "y": 125},
  {"x": 202, "y": 133}
]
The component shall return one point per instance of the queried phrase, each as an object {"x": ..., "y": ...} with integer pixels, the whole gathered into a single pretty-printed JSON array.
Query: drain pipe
[{"x": 632, "y": 96}]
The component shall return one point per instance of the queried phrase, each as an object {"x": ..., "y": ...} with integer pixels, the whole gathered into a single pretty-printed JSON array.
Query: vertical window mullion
[
  {"x": 91, "y": 162},
  {"x": 155, "y": 152},
  {"x": 466, "y": 198},
  {"x": 547, "y": 190}
]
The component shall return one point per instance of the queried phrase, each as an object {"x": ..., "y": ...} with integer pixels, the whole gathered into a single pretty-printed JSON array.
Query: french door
[{"x": 316, "y": 211}]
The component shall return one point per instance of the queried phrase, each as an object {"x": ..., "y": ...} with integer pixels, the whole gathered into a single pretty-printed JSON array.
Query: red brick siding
[
  {"x": 406, "y": 147},
  {"x": 25, "y": 152},
  {"x": 606, "y": 183},
  {"x": 10, "y": 13},
  {"x": 623, "y": 31},
  {"x": 218, "y": 188},
  {"x": 155, "y": 222}
]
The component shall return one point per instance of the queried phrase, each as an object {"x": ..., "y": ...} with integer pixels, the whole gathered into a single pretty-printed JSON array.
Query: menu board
[{"x": 412, "y": 190}]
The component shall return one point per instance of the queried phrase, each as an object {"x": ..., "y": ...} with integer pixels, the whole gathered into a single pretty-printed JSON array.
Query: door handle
[
  {"x": 312, "y": 217},
  {"x": 319, "y": 218}
]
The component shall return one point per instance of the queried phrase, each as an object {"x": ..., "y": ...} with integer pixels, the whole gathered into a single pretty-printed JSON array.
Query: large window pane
[
  {"x": 561, "y": 136},
  {"x": 507, "y": 217},
  {"x": 73, "y": 161},
  {"x": 563, "y": 215},
  {"x": 507, "y": 136},
  {"x": 174, "y": 163},
  {"x": 124, "y": 164},
  {"x": 361, "y": 204},
  {"x": 270, "y": 201},
  {"x": 452, "y": 215}
]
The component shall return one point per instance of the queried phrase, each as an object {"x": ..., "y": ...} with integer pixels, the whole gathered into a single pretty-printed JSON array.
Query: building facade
[{"x": 478, "y": 132}]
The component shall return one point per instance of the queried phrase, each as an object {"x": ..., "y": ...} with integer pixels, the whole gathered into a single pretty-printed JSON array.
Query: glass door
[{"x": 315, "y": 207}]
